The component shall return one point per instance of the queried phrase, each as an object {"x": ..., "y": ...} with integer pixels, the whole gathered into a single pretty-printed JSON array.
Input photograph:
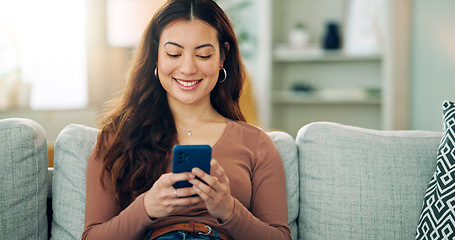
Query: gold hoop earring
[
  {"x": 156, "y": 72},
  {"x": 225, "y": 75}
]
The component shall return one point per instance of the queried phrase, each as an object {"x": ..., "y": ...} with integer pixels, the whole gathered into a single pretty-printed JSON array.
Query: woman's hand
[
  {"x": 216, "y": 193},
  {"x": 163, "y": 199}
]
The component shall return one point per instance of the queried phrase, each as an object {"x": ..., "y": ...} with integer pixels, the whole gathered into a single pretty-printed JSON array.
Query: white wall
[{"x": 432, "y": 61}]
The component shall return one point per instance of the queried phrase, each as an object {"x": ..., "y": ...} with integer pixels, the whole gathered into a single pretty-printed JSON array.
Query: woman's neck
[{"x": 188, "y": 116}]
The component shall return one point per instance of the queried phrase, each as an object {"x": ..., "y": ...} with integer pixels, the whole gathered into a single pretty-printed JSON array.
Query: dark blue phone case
[{"x": 187, "y": 157}]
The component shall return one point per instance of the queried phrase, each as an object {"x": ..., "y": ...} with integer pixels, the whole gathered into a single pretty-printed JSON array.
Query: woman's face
[{"x": 189, "y": 61}]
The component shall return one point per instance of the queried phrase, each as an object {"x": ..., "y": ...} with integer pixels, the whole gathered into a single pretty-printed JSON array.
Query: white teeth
[{"x": 187, "y": 84}]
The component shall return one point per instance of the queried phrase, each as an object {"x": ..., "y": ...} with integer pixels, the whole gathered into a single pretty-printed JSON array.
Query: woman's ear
[
  {"x": 226, "y": 46},
  {"x": 224, "y": 52}
]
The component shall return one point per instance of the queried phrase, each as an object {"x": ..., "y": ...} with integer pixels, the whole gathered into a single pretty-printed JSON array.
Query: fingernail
[
  {"x": 196, "y": 170},
  {"x": 192, "y": 175}
]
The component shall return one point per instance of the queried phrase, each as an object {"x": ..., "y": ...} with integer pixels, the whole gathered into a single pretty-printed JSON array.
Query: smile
[{"x": 187, "y": 83}]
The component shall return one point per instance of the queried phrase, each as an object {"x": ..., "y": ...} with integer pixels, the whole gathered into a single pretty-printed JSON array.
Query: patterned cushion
[
  {"x": 358, "y": 183},
  {"x": 72, "y": 148},
  {"x": 437, "y": 220},
  {"x": 23, "y": 188},
  {"x": 288, "y": 152}
]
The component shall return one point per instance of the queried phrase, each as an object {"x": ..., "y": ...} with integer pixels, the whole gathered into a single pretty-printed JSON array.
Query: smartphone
[{"x": 187, "y": 157}]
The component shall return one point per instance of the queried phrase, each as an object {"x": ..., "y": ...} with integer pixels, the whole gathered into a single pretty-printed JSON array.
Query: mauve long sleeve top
[{"x": 256, "y": 176}]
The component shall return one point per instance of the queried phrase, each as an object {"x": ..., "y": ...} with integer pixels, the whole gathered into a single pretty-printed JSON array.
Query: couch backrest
[
  {"x": 288, "y": 151},
  {"x": 23, "y": 187},
  {"x": 358, "y": 183},
  {"x": 72, "y": 149}
]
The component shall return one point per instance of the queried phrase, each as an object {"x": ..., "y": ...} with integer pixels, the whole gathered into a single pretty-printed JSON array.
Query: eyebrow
[{"x": 197, "y": 47}]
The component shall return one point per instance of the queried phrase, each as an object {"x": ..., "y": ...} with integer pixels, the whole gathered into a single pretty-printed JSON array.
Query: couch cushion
[
  {"x": 72, "y": 148},
  {"x": 288, "y": 152},
  {"x": 358, "y": 183},
  {"x": 23, "y": 188},
  {"x": 437, "y": 220}
]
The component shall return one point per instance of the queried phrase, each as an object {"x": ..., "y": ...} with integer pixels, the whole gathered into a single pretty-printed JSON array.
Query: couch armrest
[{"x": 23, "y": 188}]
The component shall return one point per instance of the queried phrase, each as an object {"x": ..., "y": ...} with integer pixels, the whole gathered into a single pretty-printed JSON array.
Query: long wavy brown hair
[{"x": 139, "y": 131}]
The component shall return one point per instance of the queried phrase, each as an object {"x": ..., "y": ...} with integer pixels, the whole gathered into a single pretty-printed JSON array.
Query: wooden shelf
[
  {"x": 289, "y": 97},
  {"x": 318, "y": 55}
]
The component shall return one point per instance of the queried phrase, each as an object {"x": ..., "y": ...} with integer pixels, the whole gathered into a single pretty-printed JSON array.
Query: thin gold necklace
[{"x": 190, "y": 131}]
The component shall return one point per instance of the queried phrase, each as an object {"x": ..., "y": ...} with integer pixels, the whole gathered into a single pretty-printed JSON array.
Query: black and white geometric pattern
[{"x": 437, "y": 220}]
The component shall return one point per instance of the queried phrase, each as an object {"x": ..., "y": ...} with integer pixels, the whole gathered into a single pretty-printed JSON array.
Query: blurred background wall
[
  {"x": 428, "y": 63},
  {"x": 432, "y": 62}
]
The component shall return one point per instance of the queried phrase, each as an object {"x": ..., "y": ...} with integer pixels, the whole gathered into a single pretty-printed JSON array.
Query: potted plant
[{"x": 298, "y": 36}]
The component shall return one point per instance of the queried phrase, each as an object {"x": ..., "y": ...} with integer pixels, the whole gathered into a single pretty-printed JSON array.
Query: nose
[{"x": 188, "y": 66}]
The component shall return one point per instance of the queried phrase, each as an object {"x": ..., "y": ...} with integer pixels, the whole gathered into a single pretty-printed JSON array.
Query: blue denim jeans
[{"x": 185, "y": 236}]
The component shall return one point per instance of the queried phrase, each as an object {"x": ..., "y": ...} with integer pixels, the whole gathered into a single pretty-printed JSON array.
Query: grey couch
[{"x": 343, "y": 182}]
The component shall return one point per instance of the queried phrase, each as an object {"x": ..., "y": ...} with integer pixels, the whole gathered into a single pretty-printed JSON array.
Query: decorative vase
[{"x": 332, "y": 38}]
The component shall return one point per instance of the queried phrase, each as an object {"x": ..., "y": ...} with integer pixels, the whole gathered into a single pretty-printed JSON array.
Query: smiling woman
[
  {"x": 49, "y": 40},
  {"x": 183, "y": 88}
]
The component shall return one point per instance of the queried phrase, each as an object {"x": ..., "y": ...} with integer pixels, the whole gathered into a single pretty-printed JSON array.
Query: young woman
[{"x": 183, "y": 88}]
